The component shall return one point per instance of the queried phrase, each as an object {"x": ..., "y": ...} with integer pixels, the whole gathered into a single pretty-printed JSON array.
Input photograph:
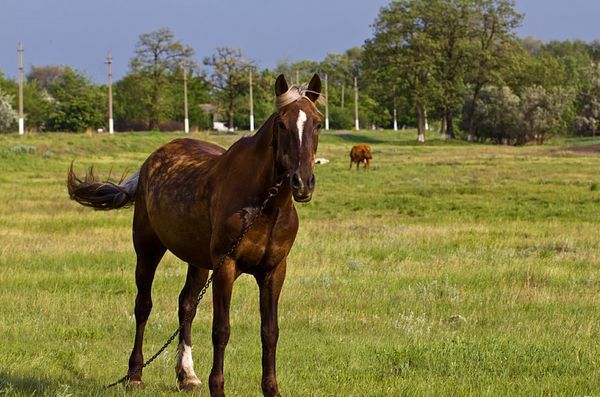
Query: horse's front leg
[
  {"x": 222, "y": 288},
  {"x": 270, "y": 287}
]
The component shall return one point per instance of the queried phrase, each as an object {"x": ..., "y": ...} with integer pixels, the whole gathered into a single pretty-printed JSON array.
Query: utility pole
[
  {"x": 21, "y": 119},
  {"x": 395, "y": 111},
  {"x": 297, "y": 77},
  {"x": 186, "y": 120},
  {"x": 111, "y": 125},
  {"x": 251, "y": 101},
  {"x": 356, "y": 103},
  {"x": 326, "y": 103}
]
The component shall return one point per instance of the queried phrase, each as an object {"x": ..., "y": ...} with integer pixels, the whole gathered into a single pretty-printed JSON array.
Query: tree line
[{"x": 455, "y": 65}]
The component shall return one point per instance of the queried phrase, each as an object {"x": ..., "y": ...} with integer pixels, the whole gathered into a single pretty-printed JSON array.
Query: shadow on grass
[
  {"x": 30, "y": 386},
  {"x": 357, "y": 138},
  {"x": 10, "y": 384}
]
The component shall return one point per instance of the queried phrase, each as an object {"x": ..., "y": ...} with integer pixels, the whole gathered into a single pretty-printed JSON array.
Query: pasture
[{"x": 448, "y": 269}]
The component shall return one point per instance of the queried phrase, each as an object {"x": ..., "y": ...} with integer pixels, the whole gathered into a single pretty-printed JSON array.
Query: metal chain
[{"x": 234, "y": 246}]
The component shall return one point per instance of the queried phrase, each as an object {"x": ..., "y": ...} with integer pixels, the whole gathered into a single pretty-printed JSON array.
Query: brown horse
[{"x": 194, "y": 198}]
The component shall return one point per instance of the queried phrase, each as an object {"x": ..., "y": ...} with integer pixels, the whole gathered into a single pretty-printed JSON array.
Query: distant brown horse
[
  {"x": 361, "y": 154},
  {"x": 194, "y": 198}
]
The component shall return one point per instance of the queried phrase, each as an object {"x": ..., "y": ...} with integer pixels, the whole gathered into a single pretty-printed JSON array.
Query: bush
[
  {"x": 8, "y": 116},
  {"x": 170, "y": 126},
  {"x": 131, "y": 125},
  {"x": 341, "y": 119}
]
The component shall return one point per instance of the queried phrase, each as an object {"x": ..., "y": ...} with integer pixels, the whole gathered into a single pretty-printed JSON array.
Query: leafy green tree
[
  {"x": 229, "y": 78},
  {"x": 301, "y": 70},
  {"x": 37, "y": 106},
  {"x": 401, "y": 56},
  {"x": 497, "y": 115},
  {"x": 77, "y": 103},
  {"x": 131, "y": 102},
  {"x": 493, "y": 51},
  {"x": 37, "y": 102},
  {"x": 543, "y": 112},
  {"x": 587, "y": 120},
  {"x": 198, "y": 93},
  {"x": 158, "y": 56}
]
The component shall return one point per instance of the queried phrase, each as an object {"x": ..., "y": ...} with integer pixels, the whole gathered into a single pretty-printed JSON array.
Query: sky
[{"x": 80, "y": 33}]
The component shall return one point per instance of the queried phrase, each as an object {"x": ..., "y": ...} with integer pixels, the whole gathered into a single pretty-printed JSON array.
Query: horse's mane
[{"x": 295, "y": 93}]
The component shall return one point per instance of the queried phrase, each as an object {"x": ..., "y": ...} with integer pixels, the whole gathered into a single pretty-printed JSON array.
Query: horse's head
[{"x": 296, "y": 134}]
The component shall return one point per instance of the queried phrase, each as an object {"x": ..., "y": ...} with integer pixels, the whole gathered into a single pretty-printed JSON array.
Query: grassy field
[{"x": 450, "y": 269}]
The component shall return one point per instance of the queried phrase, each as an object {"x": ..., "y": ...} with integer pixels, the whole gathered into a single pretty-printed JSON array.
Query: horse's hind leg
[
  {"x": 196, "y": 278},
  {"x": 149, "y": 251}
]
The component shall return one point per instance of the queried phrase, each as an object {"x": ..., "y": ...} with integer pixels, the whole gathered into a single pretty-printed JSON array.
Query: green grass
[{"x": 449, "y": 269}]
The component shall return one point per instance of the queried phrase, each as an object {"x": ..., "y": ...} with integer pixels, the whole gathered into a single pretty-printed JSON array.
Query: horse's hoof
[
  {"x": 134, "y": 385},
  {"x": 189, "y": 384}
]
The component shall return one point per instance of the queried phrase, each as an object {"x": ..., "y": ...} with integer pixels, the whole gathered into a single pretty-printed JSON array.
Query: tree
[
  {"x": 198, "y": 93},
  {"x": 77, "y": 103},
  {"x": 8, "y": 116},
  {"x": 157, "y": 58},
  {"x": 497, "y": 115},
  {"x": 302, "y": 70},
  {"x": 542, "y": 112},
  {"x": 45, "y": 75},
  {"x": 229, "y": 78},
  {"x": 401, "y": 56},
  {"x": 38, "y": 104},
  {"x": 491, "y": 47},
  {"x": 131, "y": 102},
  {"x": 588, "y": 101}
]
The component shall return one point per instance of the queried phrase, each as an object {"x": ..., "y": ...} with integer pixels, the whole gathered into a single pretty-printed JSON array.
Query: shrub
[
  {"x": 170, "y": 126},
  {"x": 8, "y": 116}
]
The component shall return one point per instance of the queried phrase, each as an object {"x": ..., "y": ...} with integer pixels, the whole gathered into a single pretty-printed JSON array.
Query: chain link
[{"x": 273, "y": 191}]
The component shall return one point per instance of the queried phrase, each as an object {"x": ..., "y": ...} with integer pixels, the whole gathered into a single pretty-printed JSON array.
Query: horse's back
[{"x": 174, "y": 190}]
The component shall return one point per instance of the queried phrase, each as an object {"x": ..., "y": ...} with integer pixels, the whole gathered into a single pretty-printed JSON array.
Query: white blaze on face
[{"x": 300, "y": 124}]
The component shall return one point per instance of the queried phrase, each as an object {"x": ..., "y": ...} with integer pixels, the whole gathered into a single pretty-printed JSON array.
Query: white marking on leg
[
  {"x": 185, "y": 363},
  {"x": 300, "y": 124}
]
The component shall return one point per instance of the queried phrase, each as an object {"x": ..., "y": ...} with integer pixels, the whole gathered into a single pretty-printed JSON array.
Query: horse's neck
[{"x": 252, "y": 158}]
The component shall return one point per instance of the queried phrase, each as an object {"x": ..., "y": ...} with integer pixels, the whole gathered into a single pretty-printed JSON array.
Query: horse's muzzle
[{"x": 302, "y": 191}]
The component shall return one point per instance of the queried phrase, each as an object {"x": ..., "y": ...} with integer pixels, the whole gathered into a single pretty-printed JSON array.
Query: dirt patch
[{"x": 591, "y": 149}]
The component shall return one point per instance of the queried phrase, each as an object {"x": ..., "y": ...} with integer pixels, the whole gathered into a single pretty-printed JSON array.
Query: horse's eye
[
  {"x": 280, "y": 125},
  {"x": 318, "y": 126}
]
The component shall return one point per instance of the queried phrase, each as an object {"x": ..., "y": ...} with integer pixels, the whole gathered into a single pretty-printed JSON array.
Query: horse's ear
[
  {"x": 281, "y": 86},
  {"x": 314, "y": 88}
]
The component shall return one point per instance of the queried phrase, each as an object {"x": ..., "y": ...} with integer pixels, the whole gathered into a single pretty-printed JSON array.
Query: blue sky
[{"x": 81, "y": 32}]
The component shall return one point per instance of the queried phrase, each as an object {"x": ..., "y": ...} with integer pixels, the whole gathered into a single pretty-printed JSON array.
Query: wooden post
[
  {"x": 357, "y": 125},
  {"x": 186, "y": 120},
  {"x": 395, "y": 119},
  {"x": 297, "y": 77},
  {"x": 109, "y": 61},
  {"x": 251, "y": 101},
  {"x": 326, "y": 103},
  {"x": 21, "y": 72}
]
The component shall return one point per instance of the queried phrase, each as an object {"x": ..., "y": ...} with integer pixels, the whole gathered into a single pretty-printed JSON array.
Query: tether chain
[{"x": 272, "y": 193}]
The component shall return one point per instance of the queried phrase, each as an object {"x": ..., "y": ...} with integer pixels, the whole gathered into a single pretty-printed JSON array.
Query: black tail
[{"x": 101, "y": 195}]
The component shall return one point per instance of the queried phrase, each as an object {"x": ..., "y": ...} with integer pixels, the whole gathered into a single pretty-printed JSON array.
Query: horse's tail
[{"x": 101, "y": 195}]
